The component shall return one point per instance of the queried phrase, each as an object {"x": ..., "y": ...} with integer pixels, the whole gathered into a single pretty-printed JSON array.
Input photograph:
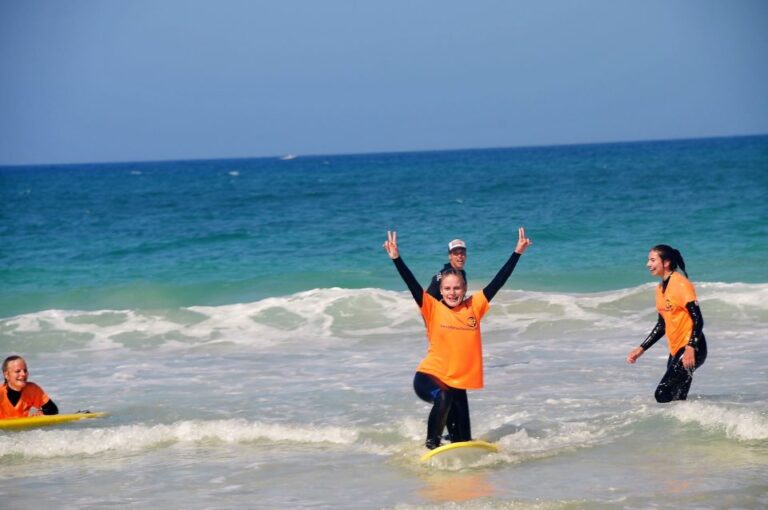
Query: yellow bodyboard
[
  {"x": 41, "y": 421},
  {"x": 477, "y": 446}
]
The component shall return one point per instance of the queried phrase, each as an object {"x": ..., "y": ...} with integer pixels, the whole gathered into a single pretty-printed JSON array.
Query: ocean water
[{"x": 255, "y": 347}]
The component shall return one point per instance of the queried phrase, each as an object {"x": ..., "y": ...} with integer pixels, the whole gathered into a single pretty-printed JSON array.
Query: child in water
[
  {"x": 680, "y": 320},
  {"x": 454, "y": 360},
  {"x": 18, "y": 395}
]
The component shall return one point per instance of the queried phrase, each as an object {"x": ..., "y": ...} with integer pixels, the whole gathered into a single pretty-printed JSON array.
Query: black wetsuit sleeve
[
  {"x": 656, "y": 333},
  {"x": 434, "y": 288},
  {"x": 698, "y": 323},
  {"x": 50, "y": 408},
  {"x": 501, "y": 277},
  {"x": 417, "y": 291}
]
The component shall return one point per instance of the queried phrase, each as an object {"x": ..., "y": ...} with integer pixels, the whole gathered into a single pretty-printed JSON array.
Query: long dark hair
[{"x": 666, "y": 252}]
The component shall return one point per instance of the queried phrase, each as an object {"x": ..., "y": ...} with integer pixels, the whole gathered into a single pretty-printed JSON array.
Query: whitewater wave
[
  {"x": 337, "y": 315},
  {"x": 133, "y": 438},
  {"x": 736, "y": 423}
]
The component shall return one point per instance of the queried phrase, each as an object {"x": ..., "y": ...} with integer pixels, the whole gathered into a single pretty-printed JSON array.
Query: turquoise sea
[{"x": 255, "y": 347}]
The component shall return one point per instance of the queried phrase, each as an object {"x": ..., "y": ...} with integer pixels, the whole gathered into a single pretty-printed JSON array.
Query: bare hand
[
  {"x": 522, "y": 242},
  {"x": 634, "y": 354},
  {"x": 689, "y": 358},
  {"x": 390, "y": 245}
]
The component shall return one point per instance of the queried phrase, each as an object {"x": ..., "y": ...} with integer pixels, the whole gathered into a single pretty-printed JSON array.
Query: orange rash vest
[
  {"x": 670, "y": 304},
  {"x": 31, "y": 396},
  {"x": 455, "y": 353}
]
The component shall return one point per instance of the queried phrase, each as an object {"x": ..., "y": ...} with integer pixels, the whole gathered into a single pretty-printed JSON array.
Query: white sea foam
[
  {"x": 336, "y": 315},
  {"x": 736, "y": 422},
  {"x": 131, "y": 438}
]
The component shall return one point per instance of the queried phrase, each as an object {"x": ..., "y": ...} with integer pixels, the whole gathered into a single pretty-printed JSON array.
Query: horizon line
[{"x": 293, "y": 156}]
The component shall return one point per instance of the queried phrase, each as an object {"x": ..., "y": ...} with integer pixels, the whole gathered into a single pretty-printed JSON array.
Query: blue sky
[{"x": 97, "y": 81}]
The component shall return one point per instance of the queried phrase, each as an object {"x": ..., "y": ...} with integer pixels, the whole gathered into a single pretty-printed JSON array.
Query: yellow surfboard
[
  {"x": 41, "y": 421},
  {"x": 463, "y": 447}
]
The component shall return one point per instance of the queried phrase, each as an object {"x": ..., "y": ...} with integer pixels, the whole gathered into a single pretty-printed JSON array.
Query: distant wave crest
[{"x": 336, "y": 315}]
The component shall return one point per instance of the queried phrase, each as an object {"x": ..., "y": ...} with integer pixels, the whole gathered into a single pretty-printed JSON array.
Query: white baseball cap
[{"x": 456, "y": 243}]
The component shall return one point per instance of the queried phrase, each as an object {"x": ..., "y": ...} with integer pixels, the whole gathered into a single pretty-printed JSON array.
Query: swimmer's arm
[
  {"x": 689, "y": 356},
  {"x": 698, "y": 323},
  {"x": 501, "y": 277},
  {"x": 653, "y": 337},
  {"x": 417, "y": 291},
  {"x": 390, "y": 245},
  {"x": 49, "y": 408},
  {"x": 656, "y": 333}
]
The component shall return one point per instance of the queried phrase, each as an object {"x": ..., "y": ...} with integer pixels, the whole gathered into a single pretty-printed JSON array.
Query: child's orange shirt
[
  {"x": 670, "y": 304},
  {"x": 31, "y": 396},
  {"x": 455, "y": 353}
]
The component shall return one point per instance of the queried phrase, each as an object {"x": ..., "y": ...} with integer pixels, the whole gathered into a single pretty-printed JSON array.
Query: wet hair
[
  {"x": 666, "y": 252},
  {"x": 452, "y": 271},
  {"x": 7, "y": 361}
]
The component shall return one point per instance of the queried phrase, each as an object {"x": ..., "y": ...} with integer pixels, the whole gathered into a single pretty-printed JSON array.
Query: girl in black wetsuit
[
  {"x": 680, "y": 320},
  {"x": 454, "y": 361}
]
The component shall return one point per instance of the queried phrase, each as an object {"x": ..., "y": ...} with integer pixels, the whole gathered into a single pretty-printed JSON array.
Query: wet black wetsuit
[{"x": 676, "y": 382}]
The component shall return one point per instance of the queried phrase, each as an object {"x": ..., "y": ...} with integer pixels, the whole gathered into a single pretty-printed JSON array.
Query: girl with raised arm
[{"x": 454, "y": 360}]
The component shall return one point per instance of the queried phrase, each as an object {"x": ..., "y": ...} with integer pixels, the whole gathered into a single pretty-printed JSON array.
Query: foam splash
[
  {"x": 552, "y": 440},
  {"x": 336, "y": 315},
  {"x": 133, "y": 438},
  {"x": 323, "y": 315},
  {"x": 738, "y": 424}
]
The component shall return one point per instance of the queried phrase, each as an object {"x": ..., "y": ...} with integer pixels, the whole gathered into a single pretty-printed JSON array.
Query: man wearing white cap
[{"x": 457, "y": 257}]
